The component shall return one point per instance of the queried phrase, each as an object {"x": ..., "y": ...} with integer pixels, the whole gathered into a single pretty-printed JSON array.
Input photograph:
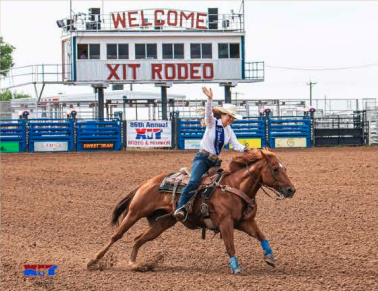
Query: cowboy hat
[{"x": 229, "y": 109}]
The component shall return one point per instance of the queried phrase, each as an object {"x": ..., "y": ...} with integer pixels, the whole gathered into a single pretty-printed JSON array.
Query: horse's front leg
[
  {"x": 250, "y": 227},
  {"x": 227, "y": 232}
]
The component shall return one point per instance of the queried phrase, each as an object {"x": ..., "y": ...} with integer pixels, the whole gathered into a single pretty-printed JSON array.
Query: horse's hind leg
[
  {"x": 130, "y": 219},
  {"x": 156, "y": 228},
  {"x": 250, "y": 227}
]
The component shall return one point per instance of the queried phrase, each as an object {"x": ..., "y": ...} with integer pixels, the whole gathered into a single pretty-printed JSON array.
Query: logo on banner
[
  {"x": 148, "y": 133},
  {"x": 39, "y": 270}
]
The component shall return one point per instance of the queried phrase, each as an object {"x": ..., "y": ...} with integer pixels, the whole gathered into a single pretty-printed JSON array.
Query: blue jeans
[{"x": 200, "y": 165}]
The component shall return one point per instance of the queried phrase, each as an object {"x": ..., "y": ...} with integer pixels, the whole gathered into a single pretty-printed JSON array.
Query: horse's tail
[{"x": 122, "y": 206}]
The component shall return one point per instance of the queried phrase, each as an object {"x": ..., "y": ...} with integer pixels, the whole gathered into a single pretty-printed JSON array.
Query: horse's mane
[{"x": 252, "y": 156}]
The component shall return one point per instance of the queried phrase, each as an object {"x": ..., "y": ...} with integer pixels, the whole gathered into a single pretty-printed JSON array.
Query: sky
[{"x": 283, "y": 34}]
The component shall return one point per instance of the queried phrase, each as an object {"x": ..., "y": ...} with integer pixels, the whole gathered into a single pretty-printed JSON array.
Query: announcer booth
[{"x": 156, "y": 46}]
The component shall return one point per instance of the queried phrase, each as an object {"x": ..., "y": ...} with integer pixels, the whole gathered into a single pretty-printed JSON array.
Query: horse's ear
[{"x": 266, "y": 149}]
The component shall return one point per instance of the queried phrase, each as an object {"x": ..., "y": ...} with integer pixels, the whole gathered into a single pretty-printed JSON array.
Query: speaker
[
  {"x": 94, "y": 14},
  {"x": 213, "y": 18},
  {"x": 93, "y": 25}
]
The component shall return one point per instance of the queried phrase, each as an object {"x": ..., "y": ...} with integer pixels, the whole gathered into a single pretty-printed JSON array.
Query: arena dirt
[{"x": 56, "y": 208}]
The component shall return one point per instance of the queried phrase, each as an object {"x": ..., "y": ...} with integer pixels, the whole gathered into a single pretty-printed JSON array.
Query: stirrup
[{"x": 178, "y": 212}]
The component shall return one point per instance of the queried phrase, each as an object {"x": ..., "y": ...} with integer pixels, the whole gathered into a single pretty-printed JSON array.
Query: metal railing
[{"x": 36, "y": 74}]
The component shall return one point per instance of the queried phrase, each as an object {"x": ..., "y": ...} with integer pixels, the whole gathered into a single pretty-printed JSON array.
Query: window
[
  {"x": 173, "y": 51},
  {"x": 228, "y": 50},
  {"x": 117, "y": 51},
  {"x": 88, "y": 51},
  {"x": 94, "y": 51},
  {"x": 146, "y": 51},
  {"x": 201, "y": 51},
  {"x": 111, "y": 50}
]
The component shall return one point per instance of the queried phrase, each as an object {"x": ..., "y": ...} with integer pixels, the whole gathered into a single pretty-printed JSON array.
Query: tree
[
  {"x": 6, "y": 59},
  {"x": 7, "y": 95}
]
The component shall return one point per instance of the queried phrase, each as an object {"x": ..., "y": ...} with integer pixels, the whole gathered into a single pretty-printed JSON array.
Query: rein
[{"x": 280, "y": 196}]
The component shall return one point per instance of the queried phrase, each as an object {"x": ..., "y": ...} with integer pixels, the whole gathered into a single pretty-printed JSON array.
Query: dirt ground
[{"x": 56, "y": 209}]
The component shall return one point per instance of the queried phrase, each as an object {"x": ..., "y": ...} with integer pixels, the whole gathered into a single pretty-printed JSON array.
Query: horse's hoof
[
  {"x": 270, "y": 261},
  {"x": 91, "y": 263},
  {"x": 133, "y": 265},
  {"x": 237, "y": 271}
]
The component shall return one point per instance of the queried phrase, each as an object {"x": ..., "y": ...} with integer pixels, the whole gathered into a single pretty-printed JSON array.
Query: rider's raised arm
[
  {"x": 209, "y": 117},
  {"x": 235, "y": 144}
]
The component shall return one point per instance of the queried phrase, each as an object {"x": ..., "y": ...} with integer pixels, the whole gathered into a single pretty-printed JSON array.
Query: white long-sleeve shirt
[{"x": 208, "y": 140}]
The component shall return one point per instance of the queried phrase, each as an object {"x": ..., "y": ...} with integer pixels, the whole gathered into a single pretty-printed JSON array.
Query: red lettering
[
  {"x": 193, "y": 71},
  {"x": 131, "y": 19},
  {"x": 173, "y": 70},
  {"x": 159, "y": 22},
  {"x": 200, "y": 21},
  {"x": 124, "y": 74},
  {"x": 187, "y": 17},
  {"x": 170, "y": 22},
  {"x": 113, "y": 71},
  {"x": 134, "y": 67},
  {"x": 181, "y": 76},
  {"x": 119, "y": 19},
  {"x": 205, "y": 74},
  {"x": 156, "y": 70},
  {"x": 144, "y": 23}
]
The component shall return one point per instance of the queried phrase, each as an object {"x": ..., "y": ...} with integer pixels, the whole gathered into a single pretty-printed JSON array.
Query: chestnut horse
[{"x": 247, "y": 172}]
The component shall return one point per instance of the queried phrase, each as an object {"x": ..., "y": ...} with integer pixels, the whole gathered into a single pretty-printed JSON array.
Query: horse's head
[{"x": 274, "y": 174}]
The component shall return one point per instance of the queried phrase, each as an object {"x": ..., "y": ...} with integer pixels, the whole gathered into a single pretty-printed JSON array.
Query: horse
[{"x": 246, "y": 173}]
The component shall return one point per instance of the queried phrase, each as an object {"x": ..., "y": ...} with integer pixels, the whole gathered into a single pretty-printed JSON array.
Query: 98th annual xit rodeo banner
[{"x": 149, "y": 134}]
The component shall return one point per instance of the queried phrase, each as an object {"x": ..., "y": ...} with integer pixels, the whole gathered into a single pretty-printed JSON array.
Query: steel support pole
[
  {"x": 100, "y": 96},
  {"x": 227, "y": 94},
  {"x": 164, "y": 103}
]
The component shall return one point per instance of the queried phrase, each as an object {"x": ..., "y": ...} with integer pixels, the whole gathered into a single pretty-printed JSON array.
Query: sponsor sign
[
  {"x": 96, "y": 146},
  {"x": 149, "y": 134},
  {"x": 295, "y": 142},
  {"x": 192, "y": 144},
  {"x": 250, "y": 142},
  {"x": 10, "y": 147},
  {"x": 51, "y": 146}
]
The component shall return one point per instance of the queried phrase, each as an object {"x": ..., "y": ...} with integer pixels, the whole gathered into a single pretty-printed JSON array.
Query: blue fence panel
[
  {"x": 246, "y": 130},
  {"x": 55, "y": 133},
  {"x": 289, "y": 130},
  {"x": 96, "y": 135},
  {"x": 13, "y": 130}
]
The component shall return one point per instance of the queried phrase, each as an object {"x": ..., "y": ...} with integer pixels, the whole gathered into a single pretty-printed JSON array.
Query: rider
[{"x": 218, "y": 134}]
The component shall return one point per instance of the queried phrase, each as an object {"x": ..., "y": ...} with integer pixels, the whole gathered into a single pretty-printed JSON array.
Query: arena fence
[
  {"x": 51, "y": 135},
  {"x": 42, "y": 135},
  {"x": 13, "y": 135},
  {"x": 342, "y": 130},
  {"x": 289, "y": 131},
  {"x": 96, "y": 135}
]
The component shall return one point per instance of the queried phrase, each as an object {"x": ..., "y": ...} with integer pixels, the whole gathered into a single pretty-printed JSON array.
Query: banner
[
  {"x": 51, "y": 146},
  {"x": 192, "y": 144},
  {"x": 149, "y": 134},
  {"x": 96, "y": 146},
  {"x": 10, "y": 147},
  {"x": 294, "y": 142}
]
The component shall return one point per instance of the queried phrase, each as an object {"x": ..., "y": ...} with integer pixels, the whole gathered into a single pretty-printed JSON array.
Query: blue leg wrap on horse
[
  {"x": 266, "y": 247},
  {"x": 234, "y": 264}
]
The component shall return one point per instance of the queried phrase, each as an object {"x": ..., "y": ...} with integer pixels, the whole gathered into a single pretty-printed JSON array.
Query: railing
[
  {"x": 254, "y": 71},
  {"x": 36, "y": 74}
]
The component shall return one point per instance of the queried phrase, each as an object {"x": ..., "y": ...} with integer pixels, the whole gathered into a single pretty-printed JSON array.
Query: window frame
[
  {"x": 228, "y": 50},
  {"x": 173, "y": 47},
  {"x": 201, "y": 51},
  {"x": 146, "y": 57},
  {"x": 117, "y": 51}
]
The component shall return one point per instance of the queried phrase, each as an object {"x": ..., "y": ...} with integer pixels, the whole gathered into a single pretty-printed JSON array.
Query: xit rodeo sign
[
  {"x": 157, "y": 18},
  {"x": 155, "y": 71},
  {"x": 149, "y": 134}
]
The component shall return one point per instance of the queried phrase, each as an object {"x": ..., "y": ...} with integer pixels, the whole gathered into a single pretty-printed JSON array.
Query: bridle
[{"x": 280, "y": 196}]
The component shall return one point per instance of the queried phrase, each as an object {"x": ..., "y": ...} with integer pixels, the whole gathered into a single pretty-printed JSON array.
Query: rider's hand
[{"x": 208, "y": 93}]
